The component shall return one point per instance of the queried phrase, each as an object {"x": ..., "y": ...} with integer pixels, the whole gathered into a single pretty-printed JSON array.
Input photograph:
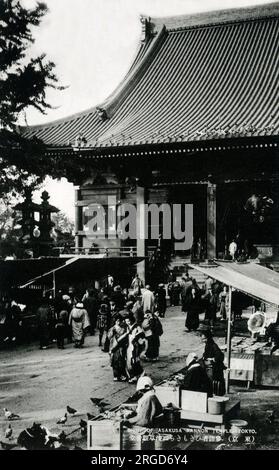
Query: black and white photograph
[{"x": 139, "y": 228}]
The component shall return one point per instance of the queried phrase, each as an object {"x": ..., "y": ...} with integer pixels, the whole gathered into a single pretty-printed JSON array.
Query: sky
[{"x": 92, "y": 43}]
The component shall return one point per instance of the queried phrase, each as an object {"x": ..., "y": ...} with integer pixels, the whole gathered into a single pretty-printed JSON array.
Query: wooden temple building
[{"x": 194, "y": 121}]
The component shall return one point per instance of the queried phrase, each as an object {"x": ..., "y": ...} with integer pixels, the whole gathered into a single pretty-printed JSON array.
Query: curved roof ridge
[
  {"x": 215, "y": 17},
  {"x": 139, "y": 57},
  {"x": 136, "y": 72}
]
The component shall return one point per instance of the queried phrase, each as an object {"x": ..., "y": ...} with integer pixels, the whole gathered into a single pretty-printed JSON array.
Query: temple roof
[{"x": 196, "y": 77}]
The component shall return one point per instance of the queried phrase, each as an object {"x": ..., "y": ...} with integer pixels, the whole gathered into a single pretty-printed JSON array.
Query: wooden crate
[
  {"x": 168, "y": 394},
  {"x": 193, "y": 401},
  {"x": 104, "y": 435}
]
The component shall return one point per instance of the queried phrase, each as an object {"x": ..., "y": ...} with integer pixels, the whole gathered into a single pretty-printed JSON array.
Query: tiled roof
[{"x": 201, "y": 77}]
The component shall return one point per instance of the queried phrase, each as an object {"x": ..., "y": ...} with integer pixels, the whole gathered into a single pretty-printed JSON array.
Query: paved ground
[{"x": 38, "y": 385}]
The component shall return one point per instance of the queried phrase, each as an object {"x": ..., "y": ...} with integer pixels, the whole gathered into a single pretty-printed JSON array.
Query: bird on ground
[
  {"x": 63, "y": 420},
  {"x": 9, "y": 415},
  {"x": 62, "y": 436},
  {"x": 101, "y": 407},
  {"x": 90, "y": 416},
  {"x": 71, "y": 410},
  {"x": 8, "y": 432},
  {"x": 83, "y": 423},
  {"x": 7, "y": 446},
  {"x": 96, "y": 401}
]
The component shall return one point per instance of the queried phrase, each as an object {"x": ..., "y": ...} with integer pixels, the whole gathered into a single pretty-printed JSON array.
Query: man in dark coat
[
  {"x": 196, "y": 378},
  {"x": 214, "y": 362},
  {"x": 192, "y": 306},
  {"x": 44, "y": 318}
]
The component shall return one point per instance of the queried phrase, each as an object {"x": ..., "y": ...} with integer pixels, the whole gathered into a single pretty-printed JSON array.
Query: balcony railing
[{"x": 125, "y": 251}]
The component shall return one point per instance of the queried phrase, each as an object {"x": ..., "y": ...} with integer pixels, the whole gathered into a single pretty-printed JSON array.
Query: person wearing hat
[
  {"x": 118, "y": 297},
  {"x": 79, "y": 321},
  {"x": 149, "y": 407},
  {"x": 103, "y": 322},
  {"x": 196, "y": 378}
]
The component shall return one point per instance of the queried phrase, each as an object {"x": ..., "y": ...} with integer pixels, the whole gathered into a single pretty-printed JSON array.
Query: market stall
[
  {"x": 185, "y": 414},
  {"x": 248, "y": 358}
]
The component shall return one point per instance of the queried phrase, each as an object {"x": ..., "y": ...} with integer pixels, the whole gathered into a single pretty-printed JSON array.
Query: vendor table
[
  {"x": 251, "y": 361},
  {"x": 242, "y": 366},
  {"x": 195, "y": 418}
]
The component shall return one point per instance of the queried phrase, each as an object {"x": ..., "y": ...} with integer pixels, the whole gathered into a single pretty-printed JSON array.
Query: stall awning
[
  {"x": 79, "y": 269},
  {"x": 20, "y": 271},
  {"x": 250, "y": 278}
]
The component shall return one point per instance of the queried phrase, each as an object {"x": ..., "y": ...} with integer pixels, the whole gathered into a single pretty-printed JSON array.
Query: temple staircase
[{"x": 180, "y": 265}]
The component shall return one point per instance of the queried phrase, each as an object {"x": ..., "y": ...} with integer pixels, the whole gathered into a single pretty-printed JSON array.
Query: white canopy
[{"x": 250, "y": 278}]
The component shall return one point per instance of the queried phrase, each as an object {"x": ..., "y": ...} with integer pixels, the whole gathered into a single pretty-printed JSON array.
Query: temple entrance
[
  {"x": 196, "y": 195},
  {"x": 247, "y": 213}
]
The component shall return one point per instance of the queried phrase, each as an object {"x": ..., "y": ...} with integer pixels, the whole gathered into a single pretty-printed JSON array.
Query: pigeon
[
  {"x": 96, "y": 401},
  {"x": 9, "y": 415},
  {"x": 62, "y": 436},
  {"x": 8, "y": 432},
  {"x": 83, "y": 423},
  {"x": 63, "y": 420},
  {"x": 6, "y": 446},
  {"x": 101, "y": 407},
  {"x": 90, "y": 416},
  {"x": 71, "y": 410}
]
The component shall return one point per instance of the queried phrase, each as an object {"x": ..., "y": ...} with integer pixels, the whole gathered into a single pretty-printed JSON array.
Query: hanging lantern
[{"x": 36, "y": 232}]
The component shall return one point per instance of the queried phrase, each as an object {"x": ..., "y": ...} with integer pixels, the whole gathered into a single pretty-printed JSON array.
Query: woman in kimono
[
  {"x": 136, "y": 345},
  {"x": 118, "y": 337},
  {"x": 192, "y": 306},
  {"x": 152, "y": 328},
  {"x": 79, "y": 321},
  {"x": 103, "y": 324}
]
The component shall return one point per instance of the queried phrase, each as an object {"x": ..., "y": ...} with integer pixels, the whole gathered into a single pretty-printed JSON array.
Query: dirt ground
[{"x": 39, "y": 384}]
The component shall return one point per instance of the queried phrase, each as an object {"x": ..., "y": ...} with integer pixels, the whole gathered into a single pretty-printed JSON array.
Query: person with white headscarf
[
  {"x": 79, "y": 321},
  {"x": 149, "y": 406}
]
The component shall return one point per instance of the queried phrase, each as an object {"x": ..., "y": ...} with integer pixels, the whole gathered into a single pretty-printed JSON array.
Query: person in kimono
[
  {"x": 79, "y": 322},
  {"x": 118, "y": 338},
  {"x": 149, "y": 406},
  {"x": 136, "y": 345},
  {"x": 213, "y": 359},
  {"x": 148, "y": 300}
]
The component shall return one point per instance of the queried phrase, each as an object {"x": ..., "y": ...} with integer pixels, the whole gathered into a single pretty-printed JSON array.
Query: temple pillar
[
  {"x": 211, "y": 220},
  {"x": 78, "y": 220},
  {"x": 141, "y": 230}
]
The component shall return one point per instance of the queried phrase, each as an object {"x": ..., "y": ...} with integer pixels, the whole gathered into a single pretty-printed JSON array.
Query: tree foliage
[{"x": 24, "y": 81}]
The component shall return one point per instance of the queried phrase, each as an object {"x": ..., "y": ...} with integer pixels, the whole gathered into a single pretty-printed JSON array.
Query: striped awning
[{"x": 196, "y": 78}]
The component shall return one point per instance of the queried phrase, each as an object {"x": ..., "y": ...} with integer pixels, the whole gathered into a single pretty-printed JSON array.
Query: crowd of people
[
  {"x": 212, "y": 299},
  {"x": 127, "y": 322}
]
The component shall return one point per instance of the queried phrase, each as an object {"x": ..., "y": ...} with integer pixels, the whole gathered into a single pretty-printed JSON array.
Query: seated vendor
[
  {"x": 148, "y": 407},
  {"x": 196, "y": 378}
]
